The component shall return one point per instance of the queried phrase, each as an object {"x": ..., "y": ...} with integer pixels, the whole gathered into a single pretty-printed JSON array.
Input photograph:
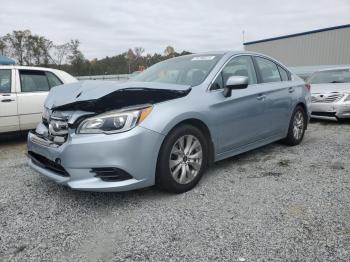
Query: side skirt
[{"x": 248, "y": 147}]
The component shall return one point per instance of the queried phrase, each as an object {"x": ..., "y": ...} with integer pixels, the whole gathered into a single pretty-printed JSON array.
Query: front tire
[
  {"x": 182, "y": 159},
  {"x": 297, "y": 127}
]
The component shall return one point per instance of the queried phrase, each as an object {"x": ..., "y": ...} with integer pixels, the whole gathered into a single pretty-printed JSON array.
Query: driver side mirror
[{"x": 235, "y": 82}]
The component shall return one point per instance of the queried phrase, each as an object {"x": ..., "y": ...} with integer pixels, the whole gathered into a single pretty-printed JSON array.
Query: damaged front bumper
[{"x": 80, "y": 161}]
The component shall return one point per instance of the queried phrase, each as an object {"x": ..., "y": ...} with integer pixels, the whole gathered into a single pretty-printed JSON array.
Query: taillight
[{"x": 308, "y": 87}]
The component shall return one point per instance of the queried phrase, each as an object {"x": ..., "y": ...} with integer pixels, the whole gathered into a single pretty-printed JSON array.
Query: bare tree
[
  {"x": 138, "y": 52},
  {"x": 60, "y": 53}
]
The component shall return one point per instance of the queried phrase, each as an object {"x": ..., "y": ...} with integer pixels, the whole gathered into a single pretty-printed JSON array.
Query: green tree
[
  {"x": 2, "y": 46},
  {"x": 16, "y": 43},
  {"x": 169, "y": 51},
  {"x": 76, "y": 58},
  {"x": 26, "y": 48},
  {"x": 130, "y": 56}
]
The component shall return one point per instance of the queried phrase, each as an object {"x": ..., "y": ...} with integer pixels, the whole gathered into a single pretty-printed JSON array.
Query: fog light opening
[{"x": 111, "y": 174}]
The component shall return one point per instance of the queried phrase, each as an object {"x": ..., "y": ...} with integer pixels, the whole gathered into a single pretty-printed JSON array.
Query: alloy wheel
[
  {"x": 186, "y": 158},
  {"x": 298, "y": 125}
]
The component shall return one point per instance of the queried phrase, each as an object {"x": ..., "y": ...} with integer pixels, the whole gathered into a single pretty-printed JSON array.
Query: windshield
[
  {"x": 185, "y": 70},
  {"x": 331, "y": 76}
]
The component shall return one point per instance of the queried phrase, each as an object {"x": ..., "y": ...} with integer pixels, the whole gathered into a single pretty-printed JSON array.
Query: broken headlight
[
  {"x": 46, "y": 115},
  {"x": 114, "y": 121}
]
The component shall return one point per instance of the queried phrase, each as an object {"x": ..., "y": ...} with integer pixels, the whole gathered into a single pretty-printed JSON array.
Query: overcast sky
[{"x": 109, "y": 27}]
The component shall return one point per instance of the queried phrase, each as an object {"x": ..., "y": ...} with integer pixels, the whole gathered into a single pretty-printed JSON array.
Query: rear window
[
  {"x": 5, "y": 81},
  {"x": 283, "y": 73},
  {"x": 330, "y": 76},
  {"x": 53, "y": 79},
  {"x": 268, "y": 70},
  {"x": 38, "y": 81}
]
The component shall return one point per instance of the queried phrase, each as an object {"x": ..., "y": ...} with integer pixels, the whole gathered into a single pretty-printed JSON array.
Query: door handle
[
  {"x": 7, "y": 100},
  {"x": 291, "y": 90},
  {"x": 261, "y": 97}
]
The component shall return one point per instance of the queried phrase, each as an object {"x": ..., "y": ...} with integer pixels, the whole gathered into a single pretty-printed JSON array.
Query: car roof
[
  {"x": 227, "y": 52},
  {"x": 28, "y": 67}
]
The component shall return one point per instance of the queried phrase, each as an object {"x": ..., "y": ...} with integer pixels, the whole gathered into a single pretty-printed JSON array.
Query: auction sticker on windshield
[{"x": 203, "y": 58}]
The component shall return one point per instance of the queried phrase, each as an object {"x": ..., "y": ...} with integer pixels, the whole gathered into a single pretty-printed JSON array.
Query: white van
[{"x": 23, "y": 90}]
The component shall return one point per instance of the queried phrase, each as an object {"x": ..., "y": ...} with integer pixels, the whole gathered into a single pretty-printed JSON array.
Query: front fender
[{"x": 165, "y": 116}]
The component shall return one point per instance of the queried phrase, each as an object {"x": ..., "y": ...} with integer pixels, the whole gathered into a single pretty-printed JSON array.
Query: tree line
[{"x": 35, "y": 50}]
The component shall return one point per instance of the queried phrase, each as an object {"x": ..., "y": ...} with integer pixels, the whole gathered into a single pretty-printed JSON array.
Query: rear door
[
  {"x": 277, "y": 89},
  {"x": 9, "y": 120},
  {"x": 34, "y": 86}
]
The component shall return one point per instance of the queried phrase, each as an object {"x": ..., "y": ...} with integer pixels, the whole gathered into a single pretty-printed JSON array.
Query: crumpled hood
[
  {"x": 100, "y": 96},
  {"x": 330, "y": 88}
]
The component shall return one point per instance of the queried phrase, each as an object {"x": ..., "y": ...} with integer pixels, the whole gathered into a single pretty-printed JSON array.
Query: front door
[
  {"x": 238, "y": 118},
  {"x": 9, "y": 120}
]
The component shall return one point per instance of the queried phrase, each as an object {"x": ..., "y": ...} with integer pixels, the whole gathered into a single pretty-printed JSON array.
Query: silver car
[
  {"x": 330, "y": 90},
  {"x": 169, "y": 123}
]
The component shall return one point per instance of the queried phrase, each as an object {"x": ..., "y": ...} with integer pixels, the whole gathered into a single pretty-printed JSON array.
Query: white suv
[{"x": 23, "y": 91}]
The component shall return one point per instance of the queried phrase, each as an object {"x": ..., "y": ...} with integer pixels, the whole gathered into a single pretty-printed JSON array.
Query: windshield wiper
[{"x": 336, "y": 82}]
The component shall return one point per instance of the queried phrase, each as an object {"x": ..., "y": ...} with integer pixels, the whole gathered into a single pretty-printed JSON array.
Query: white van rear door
[{"x": 9, "y": 120}]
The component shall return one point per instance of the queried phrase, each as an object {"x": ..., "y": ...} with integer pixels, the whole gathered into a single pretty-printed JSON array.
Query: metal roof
[
  {"x": 4, "y": 60},
  {"x": 298, "y": 34}
]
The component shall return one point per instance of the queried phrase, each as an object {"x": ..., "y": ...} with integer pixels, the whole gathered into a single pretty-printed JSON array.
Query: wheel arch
[{"x": 203, "y": 127}]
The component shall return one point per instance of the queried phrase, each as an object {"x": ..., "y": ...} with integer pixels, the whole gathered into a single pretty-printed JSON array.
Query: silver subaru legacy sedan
[{"x": 168, "y": 124}]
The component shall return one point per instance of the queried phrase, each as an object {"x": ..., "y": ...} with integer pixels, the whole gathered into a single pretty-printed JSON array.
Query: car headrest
[
  {"x": 241, "y": 72},
  {"x": 267, "y": 72},
  {"x": 197, "y": 77}
]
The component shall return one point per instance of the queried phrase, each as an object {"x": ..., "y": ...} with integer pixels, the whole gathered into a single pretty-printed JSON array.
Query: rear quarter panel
[{"x": 301, "y": 94}]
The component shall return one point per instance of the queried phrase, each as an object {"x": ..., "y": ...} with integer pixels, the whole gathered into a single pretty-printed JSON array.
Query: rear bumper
[
  {"x": 338, "y": 110},
  {"x": 134, "y": 152}
]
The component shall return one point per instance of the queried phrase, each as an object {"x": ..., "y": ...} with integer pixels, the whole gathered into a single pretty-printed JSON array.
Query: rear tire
[
  {"x": 297, "y": 127},
  {"x": 182, "y": 159}
]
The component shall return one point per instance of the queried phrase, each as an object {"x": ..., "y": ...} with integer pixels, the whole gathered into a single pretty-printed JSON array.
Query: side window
[
  {"x": 268, "y": 70},
  {"x": 284, "y": 74},
  {"x": 5, "y": 81},
  {"x": 53, "y": 79},
  {"x": 33, "y": 81},
  {"x": 238, "y": 66}
]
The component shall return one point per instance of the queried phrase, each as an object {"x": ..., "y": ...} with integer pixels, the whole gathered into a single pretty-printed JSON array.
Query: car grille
[
  {"x": 57, "y": 129},
  {"x": 330, "y": 98}
]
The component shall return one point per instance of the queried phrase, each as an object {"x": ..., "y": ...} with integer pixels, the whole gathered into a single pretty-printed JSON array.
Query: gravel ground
[{"x": 274, "y": 203}]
